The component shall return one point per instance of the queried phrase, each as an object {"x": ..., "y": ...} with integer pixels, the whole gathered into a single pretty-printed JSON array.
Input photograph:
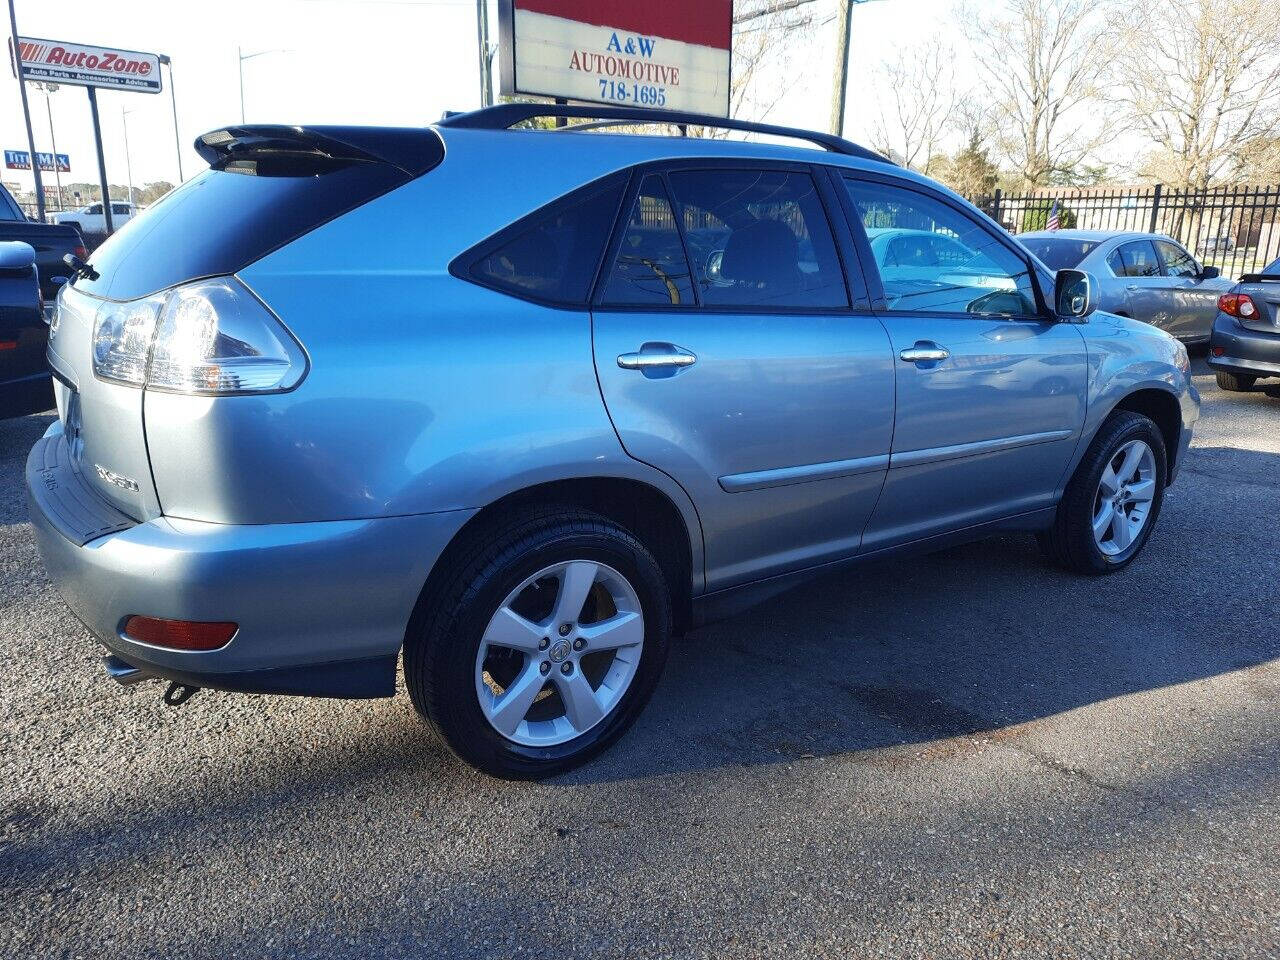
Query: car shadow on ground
[{"x": 982, "y": 637}]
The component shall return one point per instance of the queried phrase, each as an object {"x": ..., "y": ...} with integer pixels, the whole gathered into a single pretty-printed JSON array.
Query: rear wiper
[{"x": 79, "y": 267}]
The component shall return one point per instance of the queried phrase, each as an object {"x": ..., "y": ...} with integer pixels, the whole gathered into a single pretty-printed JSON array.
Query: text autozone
[{"x": 59, "y": 56}]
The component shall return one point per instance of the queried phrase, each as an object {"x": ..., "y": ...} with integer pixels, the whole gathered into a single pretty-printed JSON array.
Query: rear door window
[
  {"x": 650, "y": 265},
  {"x": 758, "y": 238},
  {"x": 1136, "y": 259},
  {"x": 553, "y": 255}
]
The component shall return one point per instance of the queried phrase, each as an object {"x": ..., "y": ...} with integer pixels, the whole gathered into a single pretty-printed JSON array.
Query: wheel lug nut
[
  {"x": 544, "y": 643},
  {"x": 579, "y": 644},
  {"x": 545, "y": 667},
  {"x": 566, "y": 668},
  {"x": 565, "y": 628}
]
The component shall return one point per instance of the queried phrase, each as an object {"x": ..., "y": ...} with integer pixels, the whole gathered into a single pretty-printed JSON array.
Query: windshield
[
  {"x": 1273, "y": 270},
  {"x": 1059, "y": 253}
]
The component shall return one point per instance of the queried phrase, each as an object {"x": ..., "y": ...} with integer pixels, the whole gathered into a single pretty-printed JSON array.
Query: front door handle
[
  {"x": 925, "y": 351},
  {"x": 657, "y": 356}
]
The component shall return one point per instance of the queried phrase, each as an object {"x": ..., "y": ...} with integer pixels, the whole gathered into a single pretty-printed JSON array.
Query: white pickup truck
[{"x": 90, "y": 219}]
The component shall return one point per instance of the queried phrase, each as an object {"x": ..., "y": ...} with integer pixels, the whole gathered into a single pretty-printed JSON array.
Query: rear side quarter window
[{"x": 552, "y": 255}]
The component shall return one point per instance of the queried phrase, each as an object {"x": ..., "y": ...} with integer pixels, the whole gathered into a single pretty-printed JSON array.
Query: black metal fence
[{"x": 1236, "y": 229}]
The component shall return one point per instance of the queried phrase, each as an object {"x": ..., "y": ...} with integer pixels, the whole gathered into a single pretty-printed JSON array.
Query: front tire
[
  {"x": 543, "y": 646},
  {"x": 1235, "y": 382},
  {"x": 1113, "y": 500}
]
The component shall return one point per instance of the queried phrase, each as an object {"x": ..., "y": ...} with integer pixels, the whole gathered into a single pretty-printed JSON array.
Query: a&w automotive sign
[
  {"x": 88, "y": 66},
  {"x": 663, "y": 54}
]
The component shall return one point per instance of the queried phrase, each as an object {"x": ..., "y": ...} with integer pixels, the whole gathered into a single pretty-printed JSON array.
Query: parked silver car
[
  {"x": 524, "y": 429},
  {"x": 1147, "y": 276}
]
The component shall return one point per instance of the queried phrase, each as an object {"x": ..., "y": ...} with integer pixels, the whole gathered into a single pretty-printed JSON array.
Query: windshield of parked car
[
  {"x": 1273, "y": 270},
  {"x": 1059, "y": 253}
]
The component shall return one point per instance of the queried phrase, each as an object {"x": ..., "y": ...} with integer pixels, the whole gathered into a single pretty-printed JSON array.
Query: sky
[{"x": 393, "y": 62}]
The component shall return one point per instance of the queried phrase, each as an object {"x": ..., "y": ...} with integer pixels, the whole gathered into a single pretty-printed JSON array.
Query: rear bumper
[
  {"x": 321, "y": 607},
  {"x": 1248, "y": 352}
]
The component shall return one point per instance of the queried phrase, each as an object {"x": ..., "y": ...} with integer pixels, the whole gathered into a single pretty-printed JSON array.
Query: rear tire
[
  {"x": 460, "y": 669},
  {"x": 1235, "y": 382},
  {"x": 1097, "y": 497}
]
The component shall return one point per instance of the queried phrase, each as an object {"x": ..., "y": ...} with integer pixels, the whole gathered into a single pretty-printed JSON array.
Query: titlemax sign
[
  {"x": 88, "y": 66},
  {"x": 664, "y": 54}
]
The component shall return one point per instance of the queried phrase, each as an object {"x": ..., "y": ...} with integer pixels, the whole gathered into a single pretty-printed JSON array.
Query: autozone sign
[
  {"x": 663, "y": 54},
  {"x": 87, "y": 66}
]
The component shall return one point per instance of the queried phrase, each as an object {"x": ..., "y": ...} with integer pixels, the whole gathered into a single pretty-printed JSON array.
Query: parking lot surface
[{"x": 966, "y": 754}]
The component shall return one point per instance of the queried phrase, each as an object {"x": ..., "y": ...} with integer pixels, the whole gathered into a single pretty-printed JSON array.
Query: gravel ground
[{"x": 965, "y": 755}]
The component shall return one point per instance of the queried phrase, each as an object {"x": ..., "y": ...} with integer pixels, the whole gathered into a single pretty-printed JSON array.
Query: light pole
[
  {"x": 48, "y": 89},
  {"x": 173, "y": 101},
  {"x": 128, "y": 161},
  {"x": 243, "y": 57}
]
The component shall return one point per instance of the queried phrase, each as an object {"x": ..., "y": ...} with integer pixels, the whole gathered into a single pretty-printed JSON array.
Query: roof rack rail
[{"x": 506, "y": 115}]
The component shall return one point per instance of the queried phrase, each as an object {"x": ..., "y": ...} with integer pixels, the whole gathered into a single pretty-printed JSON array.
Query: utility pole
[
  {"x": 486, "y": 74},
  {"x": 844, "y": 24},
  {"x": 26, "y": 115}
]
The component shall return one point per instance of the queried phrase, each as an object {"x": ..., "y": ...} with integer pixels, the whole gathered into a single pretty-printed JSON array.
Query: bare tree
[
  {"x": 970, "y": 171},
  {"x": 1042, "y": 61},
  {"x": 1201, "y": 79},
  {"x": 767, "y": 36},
  {"x": 917, "y": 96}
]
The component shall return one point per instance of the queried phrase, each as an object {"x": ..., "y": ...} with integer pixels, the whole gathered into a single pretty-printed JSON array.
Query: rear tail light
[
  {"x": 212, "y": 337},
  {"x": 179, "y": 634},
  {"x": 82, "y": 252},
  {"x": 1238, "y": 305}
]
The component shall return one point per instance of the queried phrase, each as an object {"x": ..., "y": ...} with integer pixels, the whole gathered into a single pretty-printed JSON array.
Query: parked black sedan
[
  {"x": 1245, "y": 344},
  {"x": 25, "y": 384}
]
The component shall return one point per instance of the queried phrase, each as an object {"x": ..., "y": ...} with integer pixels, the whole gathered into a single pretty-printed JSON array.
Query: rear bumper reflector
[{"x": 179, "y": 634}]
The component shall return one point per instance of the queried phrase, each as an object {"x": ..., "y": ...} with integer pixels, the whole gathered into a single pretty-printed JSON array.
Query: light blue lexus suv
[{"x": 522, "y": 404}]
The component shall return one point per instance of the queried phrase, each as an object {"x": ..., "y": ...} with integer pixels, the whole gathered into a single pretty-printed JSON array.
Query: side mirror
[
  {"x": 1210, "y": 273},
  {"x": 1075, "y": 294}
]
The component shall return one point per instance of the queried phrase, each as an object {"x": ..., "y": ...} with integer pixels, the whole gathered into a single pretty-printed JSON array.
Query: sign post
[
  {"x": 26, "y": 109},
  {"x": 90, "y": 67},
  {"x": 102, "y": 164},
  {"x": 657, "y": 54}
]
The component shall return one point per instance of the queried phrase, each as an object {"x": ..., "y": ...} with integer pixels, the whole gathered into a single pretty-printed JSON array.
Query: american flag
[{"x": 1055, "y": 220}]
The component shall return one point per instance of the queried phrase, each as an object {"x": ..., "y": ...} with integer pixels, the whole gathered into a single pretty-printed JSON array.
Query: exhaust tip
[{"x": 125, "y": 674}]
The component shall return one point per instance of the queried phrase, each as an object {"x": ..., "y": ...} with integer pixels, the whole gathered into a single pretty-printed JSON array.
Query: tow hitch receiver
[{"x": 179, "y": 693}]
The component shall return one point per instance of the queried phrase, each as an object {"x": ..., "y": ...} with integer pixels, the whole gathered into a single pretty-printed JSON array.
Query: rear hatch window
[{"x": 265, "y": 187}]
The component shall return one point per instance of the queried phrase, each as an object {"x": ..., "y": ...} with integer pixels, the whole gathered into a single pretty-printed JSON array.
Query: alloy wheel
[
  {"x": 559, "y": 653},
  {"x": 1122, "y": 504}
]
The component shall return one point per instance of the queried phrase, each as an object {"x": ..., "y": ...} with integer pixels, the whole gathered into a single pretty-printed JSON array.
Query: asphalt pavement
[{"x": 969, "y": 754}]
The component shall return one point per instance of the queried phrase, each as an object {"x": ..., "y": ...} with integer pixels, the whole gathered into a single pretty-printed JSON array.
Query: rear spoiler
[
  {"x": 412, "y": 150},
  {"x": 1260, "y": 278}
]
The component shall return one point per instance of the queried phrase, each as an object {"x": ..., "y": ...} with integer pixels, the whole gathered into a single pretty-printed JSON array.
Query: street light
[
  {"x": 48, "y": 89},
  {"x": 249, "y": 56},
  {"x": 128, "y": 161},
  {"x": 173, "y": 102}
]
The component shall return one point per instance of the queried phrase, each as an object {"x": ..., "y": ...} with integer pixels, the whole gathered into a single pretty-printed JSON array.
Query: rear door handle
[
  {"x": 657, "y": 356},
  {"x": 925, "y": 351}
]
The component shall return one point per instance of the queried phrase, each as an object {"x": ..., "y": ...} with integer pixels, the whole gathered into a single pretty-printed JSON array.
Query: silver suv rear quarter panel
[{"x": 425, "y": 392}]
